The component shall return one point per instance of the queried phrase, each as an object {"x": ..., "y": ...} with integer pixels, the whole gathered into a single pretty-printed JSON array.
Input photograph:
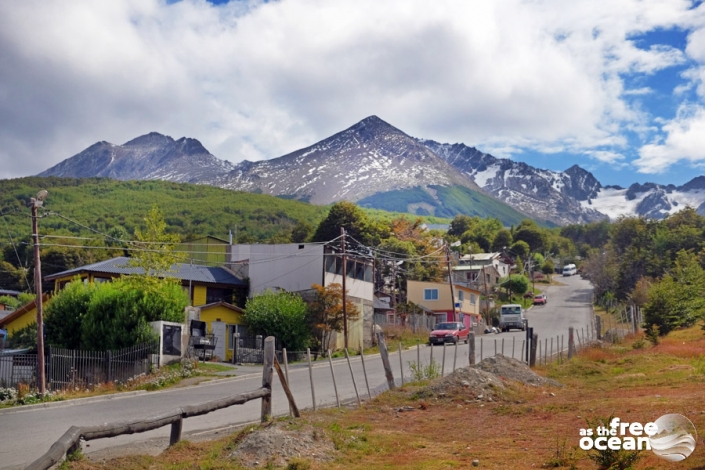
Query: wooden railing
[{"x": 71, "y": 440}]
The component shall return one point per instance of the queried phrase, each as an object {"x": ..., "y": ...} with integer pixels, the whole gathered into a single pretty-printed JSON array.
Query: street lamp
[{"x": 35, "y": 204}]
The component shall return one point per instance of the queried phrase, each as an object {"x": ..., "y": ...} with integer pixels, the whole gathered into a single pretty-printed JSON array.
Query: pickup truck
[{"x": 512, "y": 316}]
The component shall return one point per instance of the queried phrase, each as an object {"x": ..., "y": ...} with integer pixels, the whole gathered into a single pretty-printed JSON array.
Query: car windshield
[
  {"x": 511, "y": 310},
  {"x": 446, "y": 326},
  {"x": 540, "y": 296}
]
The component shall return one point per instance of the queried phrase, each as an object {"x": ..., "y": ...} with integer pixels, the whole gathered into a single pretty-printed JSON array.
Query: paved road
[{"x": 28, "y": 433}]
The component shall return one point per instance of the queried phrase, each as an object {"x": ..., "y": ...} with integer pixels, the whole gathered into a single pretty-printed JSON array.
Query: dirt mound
[
  {"x": 275, "y": 445},
  {"x": 511, "y": 369},
  {"x": 471, "y": 382}
]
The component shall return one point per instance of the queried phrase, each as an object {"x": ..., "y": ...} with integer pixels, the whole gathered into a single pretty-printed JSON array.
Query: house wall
[
  {"x": 292, "y": 267},
  {"x": 20, "y": 322},
  {"x": 415, "y": 294}
]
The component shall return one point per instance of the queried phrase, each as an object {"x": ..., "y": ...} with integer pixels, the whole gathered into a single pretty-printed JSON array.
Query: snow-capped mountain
[
  {"x": 150, "y": 157},
  {"x": 545, "y": 194},
  {"x": 367, "y": 158},
  {"x": 378, "y": 165},
  {"x": 651, "y": 200}
]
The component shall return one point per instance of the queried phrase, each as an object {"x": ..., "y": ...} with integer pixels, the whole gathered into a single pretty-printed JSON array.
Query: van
[{"x": 569, "y": 270}]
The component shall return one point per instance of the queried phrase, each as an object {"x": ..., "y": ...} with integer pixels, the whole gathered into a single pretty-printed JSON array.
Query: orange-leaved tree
[{"x": 326, "y": 312}]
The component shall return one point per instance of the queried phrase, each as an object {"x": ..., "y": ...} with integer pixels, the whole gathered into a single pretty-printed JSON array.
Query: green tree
[
  {"x": 548, "y": 268},
  {"x": 301, "y": 232},
  {"x": 326, "y": 312},
  {"x": 25, "y": 337},
  {"x": 156, "y": 254},
  {"x": 535, "y": 237},
  {"x": 9, "y": 301},
  {"x": 677, "y": 299},
  {"x": 119, "y": 313},
  {"x": 520, "y": 248},
  {"x": 65, "y": 314},
  {"x": 502, "y": 239},
  {"x": 515, "y": 283},
  {"x": 282, "y": 315},
  {"x": 349, "y": 216}
]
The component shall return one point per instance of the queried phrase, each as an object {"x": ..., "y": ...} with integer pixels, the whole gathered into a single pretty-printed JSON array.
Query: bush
[{"x": 282, "y": 315}]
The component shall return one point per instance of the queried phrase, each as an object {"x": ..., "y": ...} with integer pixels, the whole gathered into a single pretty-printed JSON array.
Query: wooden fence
[{"x": 71, "y": 440}]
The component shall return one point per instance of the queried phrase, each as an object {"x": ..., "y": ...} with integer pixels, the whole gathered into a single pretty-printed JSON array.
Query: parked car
[
  {"x": 540, "y": 299},
  {"x": 529, "y": 295},
  {"x": 449, "y": 332}
]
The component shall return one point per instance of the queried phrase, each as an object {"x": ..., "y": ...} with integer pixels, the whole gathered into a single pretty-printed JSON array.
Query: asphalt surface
[{"x": 26, "y": 433}]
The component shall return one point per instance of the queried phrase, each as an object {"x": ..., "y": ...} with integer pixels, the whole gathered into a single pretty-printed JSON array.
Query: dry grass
[{"x": 525, "y": 428}]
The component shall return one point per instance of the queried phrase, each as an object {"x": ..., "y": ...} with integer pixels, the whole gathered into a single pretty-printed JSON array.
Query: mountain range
[{"x": 377, "y": 165}]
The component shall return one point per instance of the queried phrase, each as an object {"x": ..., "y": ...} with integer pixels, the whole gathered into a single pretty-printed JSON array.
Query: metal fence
[
  {"x": 412, "y": 321},
  {"x": 250, "y": 350},
  {"x": 67, "y": 368}
]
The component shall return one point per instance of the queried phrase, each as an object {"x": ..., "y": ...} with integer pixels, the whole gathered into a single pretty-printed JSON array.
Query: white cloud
[
  {"x": 256, "y": 80},
  {"x": 685, "y": 140},
  {"x": 606, "y": 156},
  {"x": 639, "y": 91}
]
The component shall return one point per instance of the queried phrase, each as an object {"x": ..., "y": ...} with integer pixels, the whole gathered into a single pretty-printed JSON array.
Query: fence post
[
  {"x": 258, "y": 342},
  {"x": 310, "y": 376},
  {"x": 385, "y": 361},
  {"x": 571, "y": 343},
  {"x": 175, "y": 435},
  {"x": 267, "y": 377},
  {"x": 49, "y": 369},
  {"x": 534, "y": 341},
  {"x": 471, "y": 347},
  {"x": 598, "y": 328},
  {"x": 109, "y": 364},
  {"x": 236, "y": 347}
]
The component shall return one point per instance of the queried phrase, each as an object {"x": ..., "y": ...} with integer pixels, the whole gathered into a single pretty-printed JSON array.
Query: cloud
[
  {"x": 254, "y": 79},
  {"x": 606, "y": 156},
  {"x": 685, "y": 140}
]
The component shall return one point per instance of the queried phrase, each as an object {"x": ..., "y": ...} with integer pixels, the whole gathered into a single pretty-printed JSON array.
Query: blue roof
[{"x": 182, "y": 271}]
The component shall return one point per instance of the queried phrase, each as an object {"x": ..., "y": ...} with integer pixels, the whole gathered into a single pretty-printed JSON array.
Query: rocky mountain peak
[{"x": 153, "y": 139}]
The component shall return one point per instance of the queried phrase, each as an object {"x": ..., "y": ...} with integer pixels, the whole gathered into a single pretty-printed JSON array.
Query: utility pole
[
  {"x": 450, "y": 281},
  {"x": 487, "y": 296},
  {"x": 36, "y": 203},
  {"x": 345, "y": 306}
]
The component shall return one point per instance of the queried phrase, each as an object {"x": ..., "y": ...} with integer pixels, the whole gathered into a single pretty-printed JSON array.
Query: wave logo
[{"x": 675, "y": 439}]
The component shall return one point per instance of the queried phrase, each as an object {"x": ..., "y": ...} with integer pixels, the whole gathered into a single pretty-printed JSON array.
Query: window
[
  {"x": 216, "y": 294},
  {"x": 473, "y": 298},
  {"x": 461, "y": 296},
  {"x": 430, "y": 294}
]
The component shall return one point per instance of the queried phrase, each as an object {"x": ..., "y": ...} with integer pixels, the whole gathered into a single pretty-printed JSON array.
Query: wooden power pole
[
  {"x": 450, "y": 281},
  {"x": 345, "y": 306},
  {"x": 36, "y": 203}
]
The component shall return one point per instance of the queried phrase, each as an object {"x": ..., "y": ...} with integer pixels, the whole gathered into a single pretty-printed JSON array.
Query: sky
[{"x": 615, "y": 86}]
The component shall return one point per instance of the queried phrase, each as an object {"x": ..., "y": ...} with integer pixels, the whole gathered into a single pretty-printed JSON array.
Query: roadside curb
[{"x": 72, "y": 402}]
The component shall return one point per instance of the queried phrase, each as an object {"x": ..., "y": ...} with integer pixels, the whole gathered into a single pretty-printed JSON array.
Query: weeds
[
  {"x": 562, "y": 455},
  {"x": 607, "y": 458},
  {"x": 698, "y": 365},
  {"x": 652, "y": 334},
  {"x": 423, "y": 371}
]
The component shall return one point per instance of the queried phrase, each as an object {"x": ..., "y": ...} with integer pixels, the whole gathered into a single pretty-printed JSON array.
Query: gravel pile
[
  {"x": 275, "y": 446},
  {"x": 486, "y": 380},
  {"x": 512, "y": 369}
]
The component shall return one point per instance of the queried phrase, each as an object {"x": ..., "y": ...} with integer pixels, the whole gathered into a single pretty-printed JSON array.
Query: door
[{"x": 218, "y": 329}]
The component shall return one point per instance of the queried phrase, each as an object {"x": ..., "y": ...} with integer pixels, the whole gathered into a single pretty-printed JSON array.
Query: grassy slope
[
  {"x": 449, "y": 202},
  {"x": 189, "y": 210}
]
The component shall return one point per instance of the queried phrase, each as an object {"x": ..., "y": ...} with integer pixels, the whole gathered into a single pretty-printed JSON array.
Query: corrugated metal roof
[
  {"x": 182, "y": 271},
  {"x": 12, "y": 293}
]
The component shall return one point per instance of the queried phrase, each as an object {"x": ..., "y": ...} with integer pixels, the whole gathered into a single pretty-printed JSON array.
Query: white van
[{"x": 569, "y": 270}]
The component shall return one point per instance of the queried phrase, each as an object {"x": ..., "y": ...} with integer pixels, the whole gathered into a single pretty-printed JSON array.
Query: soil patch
[
  {"x": 275, "y": 445},
  {"x": 512, "y": 369}
]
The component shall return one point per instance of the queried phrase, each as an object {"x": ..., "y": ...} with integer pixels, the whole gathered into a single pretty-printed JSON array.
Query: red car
[
  {"x": 540, "y": 299},
  {"x": 449, "y": 332}
]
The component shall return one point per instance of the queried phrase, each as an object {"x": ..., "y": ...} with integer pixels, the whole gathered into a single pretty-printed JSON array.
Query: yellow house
[
  {"x": 21, "y": 317},
  {"x": 213, "y": 290},
  {"x": 436, "y": 296}
]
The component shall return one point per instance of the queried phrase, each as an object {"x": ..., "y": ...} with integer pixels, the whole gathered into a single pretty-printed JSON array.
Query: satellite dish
[{"x": 41, "y": 195}]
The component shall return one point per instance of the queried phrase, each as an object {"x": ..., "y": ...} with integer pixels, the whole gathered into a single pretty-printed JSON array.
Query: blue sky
[{"x": 617, "y": 87}]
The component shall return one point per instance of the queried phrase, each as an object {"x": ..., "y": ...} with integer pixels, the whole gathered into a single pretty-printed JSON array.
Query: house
[
  {"x": 205, "y": 250},
  {"x": 436, "y": 297},
  {"x": 384, "y": 312},
  {"x": 295, "y": 267},
  {"x": 23, "y": 316},
  {"x": 213, "y": 292}
]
